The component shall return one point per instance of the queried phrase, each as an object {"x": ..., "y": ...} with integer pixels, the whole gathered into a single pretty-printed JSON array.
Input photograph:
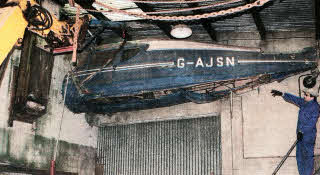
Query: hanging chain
[
  {"x": 216, "y": 4},
  {"x": 171, "y": 2},
  {"x": 248, "y": 6}
]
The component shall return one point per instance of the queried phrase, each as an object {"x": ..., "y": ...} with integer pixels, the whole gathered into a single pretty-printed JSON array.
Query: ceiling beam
[
  {"x": 317, "y": 18},
  {"x": 206, "y": 24},
  {"x": 164, "y": 26},
  {"x": 208, "y": 27},
  {"x": 258, "y": 22}
]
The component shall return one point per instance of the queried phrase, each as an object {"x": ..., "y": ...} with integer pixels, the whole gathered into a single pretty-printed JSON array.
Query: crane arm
[
  {"x": 12, "y": 27},
  {"x": 27, "y": 14}
]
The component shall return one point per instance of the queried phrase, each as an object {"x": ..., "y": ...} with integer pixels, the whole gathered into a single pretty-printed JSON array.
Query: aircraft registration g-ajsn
[{"x": 151, "y": 74}]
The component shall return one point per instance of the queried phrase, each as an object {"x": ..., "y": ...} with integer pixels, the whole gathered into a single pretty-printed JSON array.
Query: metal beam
[
  {"x": 317, "y": 18},
  {"x": 258, "y": 22},
  {"x": 206, "y": 24},
  {"x": 164, "y": 26},
  {"x": 211, "y": 31}
]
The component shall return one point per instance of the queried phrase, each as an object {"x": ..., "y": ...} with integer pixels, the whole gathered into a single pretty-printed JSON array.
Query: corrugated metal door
[{"x": 179, "y": 147}]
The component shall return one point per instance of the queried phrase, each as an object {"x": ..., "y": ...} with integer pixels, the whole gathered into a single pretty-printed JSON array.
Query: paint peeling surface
[
  {"x": 126, "y": 5},
  {"x": 141, "y": 78}
]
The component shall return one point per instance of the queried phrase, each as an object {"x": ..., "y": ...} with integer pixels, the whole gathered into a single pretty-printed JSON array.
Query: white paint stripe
[
  {"x": 189, "y": 45},
  {"x": 123, "y": 68},
  {"x": 107, "y": 68},
  {"x": 275, "y": 61}
]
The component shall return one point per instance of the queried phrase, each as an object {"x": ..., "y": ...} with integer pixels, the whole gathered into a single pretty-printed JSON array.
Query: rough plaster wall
[
  {"x": 74, "y": 128},
  {"x": 188, "y": 110},
  {"x": 23, "y": 146},
  {"x": 275, "y": 41},
  {"x": 4, "y": 113},
  {"x": 268, "y": 126},
  {"x": 276, "y": 123},
  {"x": 5, "y": 89},
  {"x": 260, "y": 131},
  {"x": 261, "y": 128},
  {"x": 226, "y": 137}
]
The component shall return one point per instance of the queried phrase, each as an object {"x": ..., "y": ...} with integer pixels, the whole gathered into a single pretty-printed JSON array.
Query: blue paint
[
  {"x": 307, "y": 120},
  {"x": 124, "y": 81}
]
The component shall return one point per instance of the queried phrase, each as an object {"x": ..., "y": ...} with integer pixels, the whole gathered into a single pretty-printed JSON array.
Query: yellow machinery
[
  {"x": 27, "y": 14},
  {"x": 12, "y": 27}
]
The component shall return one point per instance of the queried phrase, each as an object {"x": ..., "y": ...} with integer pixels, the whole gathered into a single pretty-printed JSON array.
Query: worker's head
[{"x": 310, "y": 94}]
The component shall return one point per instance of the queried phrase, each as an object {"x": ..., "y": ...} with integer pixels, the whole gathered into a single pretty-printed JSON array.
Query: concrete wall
[
  {"x": 263, "y": 128},
  {"x": 32, "y": 145}
]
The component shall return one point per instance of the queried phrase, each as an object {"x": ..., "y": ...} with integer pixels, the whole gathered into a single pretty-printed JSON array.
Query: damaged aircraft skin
[{"x": 152, "y": 74}]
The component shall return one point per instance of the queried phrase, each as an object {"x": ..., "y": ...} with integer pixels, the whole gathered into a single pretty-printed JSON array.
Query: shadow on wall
[{"x": 37, "y": 153}]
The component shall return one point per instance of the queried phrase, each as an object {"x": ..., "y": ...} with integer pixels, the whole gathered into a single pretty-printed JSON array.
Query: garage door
[{"x": 178, "y": 147}]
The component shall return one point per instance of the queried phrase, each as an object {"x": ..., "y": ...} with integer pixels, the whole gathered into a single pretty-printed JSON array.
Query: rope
[{"x": 62, "y": 115}]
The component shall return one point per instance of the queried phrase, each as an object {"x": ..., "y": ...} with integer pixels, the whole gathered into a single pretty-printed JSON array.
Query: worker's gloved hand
[
  {"x": 299, "y": 136},
  {"x": 276, "y": 93}
]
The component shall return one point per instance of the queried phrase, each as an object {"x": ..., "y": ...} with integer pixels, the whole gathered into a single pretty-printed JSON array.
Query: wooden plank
[
  {"x": 40, "y": 82},
  {"x": 24, "y": 68},
  {"x": 31, "y": 83},
  {"x": 20, "y": 85}
]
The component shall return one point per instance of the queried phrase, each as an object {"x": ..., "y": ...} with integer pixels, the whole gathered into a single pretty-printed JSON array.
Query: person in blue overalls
[{"x": 306, "y": 127}]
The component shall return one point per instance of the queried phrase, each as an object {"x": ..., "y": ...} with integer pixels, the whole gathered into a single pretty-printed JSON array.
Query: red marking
[
  {"x": 123, "y": 34},
  {"x": 52, "y": 168},
  {"x": 62, "y": 50}
]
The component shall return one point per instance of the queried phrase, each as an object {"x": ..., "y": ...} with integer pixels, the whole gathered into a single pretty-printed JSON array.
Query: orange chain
[
  {"x": 217, "y": 4},
  {"x": 170, "y": 2},
  {"x": 248, "y": 6}
]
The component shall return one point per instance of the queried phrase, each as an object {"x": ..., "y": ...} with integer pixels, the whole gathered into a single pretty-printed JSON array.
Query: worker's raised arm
[
  {"x": 293, "y": 99},
  {"x": 288, "y": 97}
]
